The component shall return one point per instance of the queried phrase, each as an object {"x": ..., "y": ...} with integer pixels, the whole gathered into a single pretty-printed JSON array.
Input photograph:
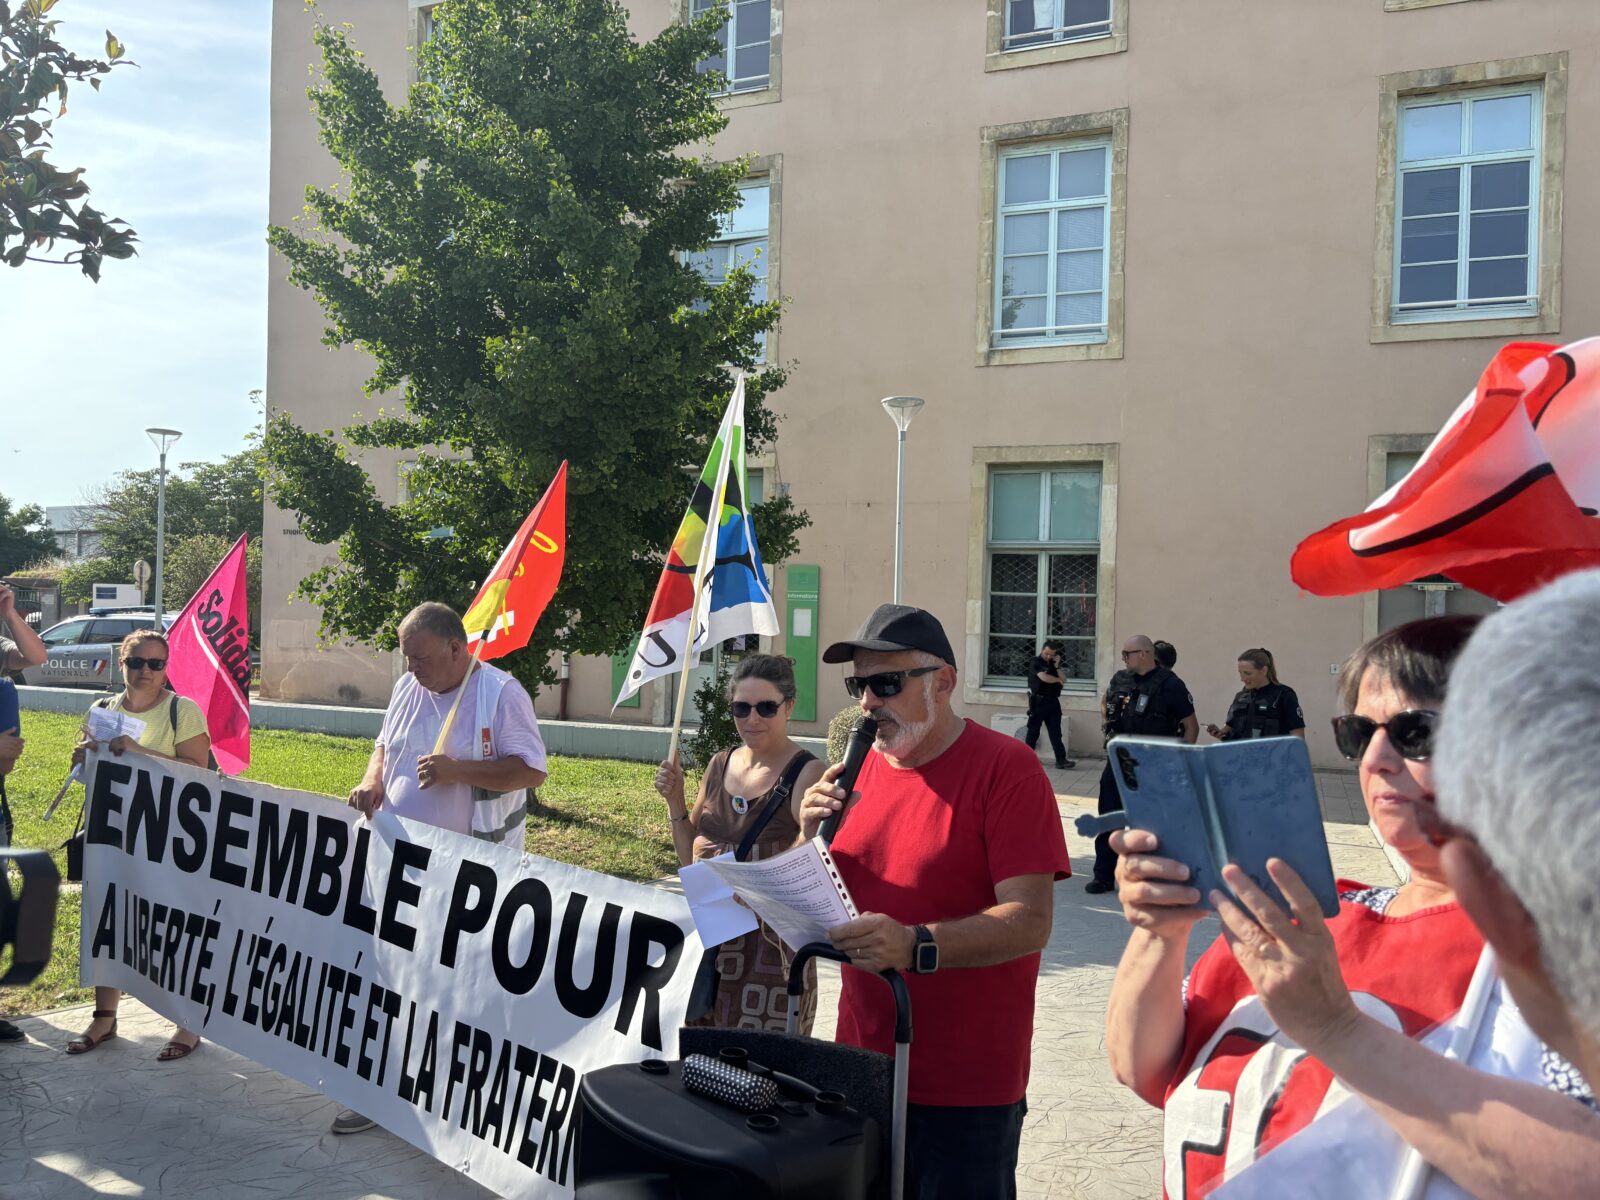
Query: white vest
[{"x": 496, "y": 816}]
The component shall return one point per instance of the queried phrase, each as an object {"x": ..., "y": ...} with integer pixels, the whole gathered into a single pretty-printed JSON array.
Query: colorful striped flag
[{"x": 735, "y": 598}]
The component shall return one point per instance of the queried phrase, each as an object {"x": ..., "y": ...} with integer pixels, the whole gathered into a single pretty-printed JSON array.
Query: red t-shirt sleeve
[{"x": 1022, "y": 826}]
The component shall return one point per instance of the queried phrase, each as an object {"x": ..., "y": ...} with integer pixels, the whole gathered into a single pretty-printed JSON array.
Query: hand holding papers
[
  {"x": 799, "y": 893},
  {"x": 102, "y": 725}
]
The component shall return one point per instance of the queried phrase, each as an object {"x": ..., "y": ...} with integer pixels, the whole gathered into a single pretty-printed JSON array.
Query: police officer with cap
[
  {"x": 1145, "y": 699},
  {"x": 1265, "y": 707}
]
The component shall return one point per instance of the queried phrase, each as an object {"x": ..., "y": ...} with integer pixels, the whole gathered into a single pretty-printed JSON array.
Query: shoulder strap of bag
[{"x": 780, "y": 797}]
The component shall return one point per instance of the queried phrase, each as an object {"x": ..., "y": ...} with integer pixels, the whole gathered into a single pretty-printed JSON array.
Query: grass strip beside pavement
[{"x": 600, "y": 814}]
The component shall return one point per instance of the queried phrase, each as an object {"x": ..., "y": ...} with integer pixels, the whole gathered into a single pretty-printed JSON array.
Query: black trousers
[
  {"x": 1046, "y": 712},
  {"x": 963, "y": 1153},
  {"x": 1105, "y": 858}
]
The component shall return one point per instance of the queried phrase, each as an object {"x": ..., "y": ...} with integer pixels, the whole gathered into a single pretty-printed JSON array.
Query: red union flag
[
  {"x": 1504, "y": 499},
  {"x": 514, "y": 595},
  {"x": 209, "y": 659}
]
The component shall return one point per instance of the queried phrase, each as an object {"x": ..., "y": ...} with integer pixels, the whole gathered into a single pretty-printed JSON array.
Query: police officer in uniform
[
  {"x": 1265, "y": 707},
  {"x": 1147, "y": 700},
  {"x": 1046, "y": 675}
]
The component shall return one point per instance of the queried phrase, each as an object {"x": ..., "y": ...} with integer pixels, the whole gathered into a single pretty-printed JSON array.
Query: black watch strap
[{"x": 925, "y": 953}]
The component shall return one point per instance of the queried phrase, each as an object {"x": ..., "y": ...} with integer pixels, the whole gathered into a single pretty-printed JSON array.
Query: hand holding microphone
[{"x": 826, "y": 800}]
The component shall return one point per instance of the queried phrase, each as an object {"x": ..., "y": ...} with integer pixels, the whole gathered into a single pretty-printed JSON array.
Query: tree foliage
[
  {"x": 24, "y": 537},
  {"x": 78, "y": 578},
  {"x": 221, "y": 499},
  {"x": 36, "y": 197},
  {"x": 508, "y": 247},
  {"x": 191, "y": 559}
]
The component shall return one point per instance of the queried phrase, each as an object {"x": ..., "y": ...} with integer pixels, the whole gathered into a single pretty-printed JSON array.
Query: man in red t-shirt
[{"x": 950, "y": 846}]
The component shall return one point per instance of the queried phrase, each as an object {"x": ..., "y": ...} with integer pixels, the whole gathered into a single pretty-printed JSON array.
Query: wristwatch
[{"x": 925, "y": 954}]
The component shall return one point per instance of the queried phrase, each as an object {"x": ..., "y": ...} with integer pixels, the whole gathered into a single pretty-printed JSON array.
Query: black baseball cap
[{"x": 894, "y": 627}]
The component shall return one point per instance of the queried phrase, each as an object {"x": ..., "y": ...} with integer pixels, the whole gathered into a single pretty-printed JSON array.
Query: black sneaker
[
  {"x": 10, "y": 1033},
  {"x": 1099, "y": 887}
]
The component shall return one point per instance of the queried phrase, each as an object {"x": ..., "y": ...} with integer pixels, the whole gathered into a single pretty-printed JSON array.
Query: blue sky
[{"x": 176, "y": 336}]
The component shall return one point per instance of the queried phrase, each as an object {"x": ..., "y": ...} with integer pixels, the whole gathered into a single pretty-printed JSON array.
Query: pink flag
[{"x": 209, "y": 660}]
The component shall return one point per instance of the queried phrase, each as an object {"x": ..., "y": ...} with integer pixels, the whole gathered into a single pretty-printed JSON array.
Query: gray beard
[{"x": 902, "y": 737}]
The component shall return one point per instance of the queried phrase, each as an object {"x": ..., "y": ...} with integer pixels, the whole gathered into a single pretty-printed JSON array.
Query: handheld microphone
[{"x": 855, "y": 754}]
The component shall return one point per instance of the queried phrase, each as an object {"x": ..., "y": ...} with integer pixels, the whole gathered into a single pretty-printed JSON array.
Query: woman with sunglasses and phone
[
  {"x": 175, "y": 730},
  {"x": 1233, "y": 1052},
  {"x": 749, "y": 804}
]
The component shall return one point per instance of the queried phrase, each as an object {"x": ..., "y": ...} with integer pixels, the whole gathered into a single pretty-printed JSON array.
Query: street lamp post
[
  {"x": 900, "y": 409},
  {"x": 164, "y": 440}
]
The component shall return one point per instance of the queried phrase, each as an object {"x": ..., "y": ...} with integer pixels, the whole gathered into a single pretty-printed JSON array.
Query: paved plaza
[{"x": 218, "y": 1127}]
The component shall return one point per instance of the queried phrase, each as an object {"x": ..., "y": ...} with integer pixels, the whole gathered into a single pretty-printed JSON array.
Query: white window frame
[
  {"x": 1046, "y": 335},
  {"x": 1043, "y": 549},
  {"x": 729, "y": 35},
  {"x": 1463, "y": 308},
  {"x": 735, "y": 241},
  {"x": 1060, "y": 33}
]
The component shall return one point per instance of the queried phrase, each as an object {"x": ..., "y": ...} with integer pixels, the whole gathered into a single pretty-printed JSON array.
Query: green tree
[
  {"x": 509, "y": 248},
  {"x": 190, "y": 559},
  {"x": 220, "y": 499},
  {"x": 36, "y": 197},
  {"x": 78, "y": 578},
  {"x": 25, "y": 539}
]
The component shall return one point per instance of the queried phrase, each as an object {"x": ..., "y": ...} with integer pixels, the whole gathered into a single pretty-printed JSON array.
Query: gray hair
[
  {"x": 1527, "y": 788},
  {"x": 440, "y": 620}
]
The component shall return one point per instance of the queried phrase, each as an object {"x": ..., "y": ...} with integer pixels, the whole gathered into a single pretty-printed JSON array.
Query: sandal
[
  {"x": 174, "y": 1049},
  {"x": 84, "y": 1043}
]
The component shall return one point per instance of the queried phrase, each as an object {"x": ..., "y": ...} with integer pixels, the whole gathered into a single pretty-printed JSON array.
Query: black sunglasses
[
  {"x": 139, "y": 664},
  {"x": 884, "y": 684},
  {"x": 1411, "y": 733},
  {"x": 767, "y": 708}
]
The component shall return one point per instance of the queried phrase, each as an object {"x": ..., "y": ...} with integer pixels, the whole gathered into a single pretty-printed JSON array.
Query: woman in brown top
[{"x": 735, "y": 792}]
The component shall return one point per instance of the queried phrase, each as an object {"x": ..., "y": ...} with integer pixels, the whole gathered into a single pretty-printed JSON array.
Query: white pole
[
  {"x": 161, "y": 531},
  {"x": 899, "y": 514}
]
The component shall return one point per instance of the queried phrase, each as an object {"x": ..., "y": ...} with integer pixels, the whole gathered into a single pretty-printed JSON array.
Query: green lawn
[{"x": 596, "y": 813}]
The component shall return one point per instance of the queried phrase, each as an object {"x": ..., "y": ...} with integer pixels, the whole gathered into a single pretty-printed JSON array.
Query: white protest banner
[{"x": 453, "y": 990}]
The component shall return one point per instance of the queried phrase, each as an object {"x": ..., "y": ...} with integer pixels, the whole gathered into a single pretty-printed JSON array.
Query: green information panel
[
  {"x": 802, "y": 628},
  {"x": 619, "y": 675}
]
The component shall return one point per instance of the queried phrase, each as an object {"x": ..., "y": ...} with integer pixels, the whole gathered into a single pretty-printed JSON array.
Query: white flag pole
[
  {"x": 708, "y": 554},
  {"x": 1411, "y": 1179}
]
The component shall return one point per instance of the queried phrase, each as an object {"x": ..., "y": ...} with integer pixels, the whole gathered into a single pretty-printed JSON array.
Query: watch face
[{"x": 927, "y": 958}]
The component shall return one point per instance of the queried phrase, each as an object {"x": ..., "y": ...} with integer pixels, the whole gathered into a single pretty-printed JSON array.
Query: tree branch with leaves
[{"x": 36, "y": 197}]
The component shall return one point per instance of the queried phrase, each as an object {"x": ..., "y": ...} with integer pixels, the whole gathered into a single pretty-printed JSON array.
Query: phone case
[{"x": 1241, "y": 802}]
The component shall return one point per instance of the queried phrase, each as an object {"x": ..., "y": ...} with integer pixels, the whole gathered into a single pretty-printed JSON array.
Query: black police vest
[
  {"x": 1254, "y": 714},
  {"x": 1134, "y": 705}
]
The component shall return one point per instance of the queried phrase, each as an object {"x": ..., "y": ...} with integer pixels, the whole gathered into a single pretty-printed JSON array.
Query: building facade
[{"x": 1180, "y": 284}]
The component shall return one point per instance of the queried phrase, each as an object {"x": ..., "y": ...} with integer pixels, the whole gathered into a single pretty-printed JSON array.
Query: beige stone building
[{"x": 1180, "y": 281}]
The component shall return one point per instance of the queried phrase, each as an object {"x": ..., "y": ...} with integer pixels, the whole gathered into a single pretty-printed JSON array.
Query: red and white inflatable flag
[
  {"x": 1502, "y": 501},
  {"x": 209, "y": 659}
]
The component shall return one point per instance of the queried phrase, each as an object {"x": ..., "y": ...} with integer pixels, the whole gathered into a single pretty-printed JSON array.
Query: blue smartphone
[
  {"x": 10, "y": 707},
  {"x": 1241, "y": 802}
]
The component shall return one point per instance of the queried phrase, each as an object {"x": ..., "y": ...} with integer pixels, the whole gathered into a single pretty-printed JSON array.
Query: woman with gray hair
[{"x": 1288, "y": 1011}]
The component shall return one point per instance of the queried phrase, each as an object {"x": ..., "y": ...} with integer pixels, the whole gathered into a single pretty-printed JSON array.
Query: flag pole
[
  {"x": 708, "y": 552},
  {"x": 450, "y": 717}
]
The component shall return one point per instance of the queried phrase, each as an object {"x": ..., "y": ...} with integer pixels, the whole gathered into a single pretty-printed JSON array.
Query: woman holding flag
[
  {"x": 175, "y": 730},
  {"x": 749, "y": 805}
]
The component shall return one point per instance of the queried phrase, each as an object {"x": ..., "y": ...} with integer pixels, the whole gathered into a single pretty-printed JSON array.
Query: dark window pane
[
  {"x": 1495, "y": 235},
  {"x": 1078, "y": 657},
  {"x": 1009, "y": 657},
  {"x": 750, "y": 64},
  {"x": 1420, "y": 284},
  {"x": 1074, "y": 573},
  {"x": 1429, "y": 239},
  {"x": 717, "y": 62},
  {"x": 1424, "y": 193},
  {"x": 1020, "y": 25},
  {"x": 1497, "y": 278},
  {"x": 1071, "y": 616},
  {"x": 1013, "y": 614},
  {"x": 1500, "y": 185},
  {"x": 1096, "y": 14},
  {"x": 1014, "y": 573}
]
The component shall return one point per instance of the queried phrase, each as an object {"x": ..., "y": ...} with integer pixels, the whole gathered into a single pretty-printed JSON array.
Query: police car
[{"x": 83, "y": 650}]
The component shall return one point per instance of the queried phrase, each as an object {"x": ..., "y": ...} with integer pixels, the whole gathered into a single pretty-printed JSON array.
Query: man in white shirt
[{"x": 492, "y": 754}]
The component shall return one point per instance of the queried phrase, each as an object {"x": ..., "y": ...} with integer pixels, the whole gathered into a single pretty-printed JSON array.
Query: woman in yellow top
[{"x": 174, "y": 729}]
